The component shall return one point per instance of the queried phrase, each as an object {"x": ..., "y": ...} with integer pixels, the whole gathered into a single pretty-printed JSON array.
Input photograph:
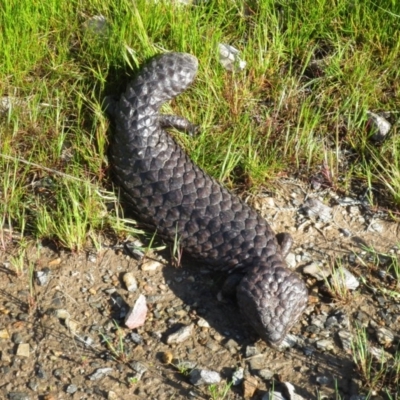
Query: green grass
[
  {"x": 312, "y": 73},
  {"x": 377, "y": 372}
]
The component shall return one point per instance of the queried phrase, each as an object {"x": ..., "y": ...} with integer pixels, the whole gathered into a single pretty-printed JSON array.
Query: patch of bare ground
[{"x": 65, "y": 338}]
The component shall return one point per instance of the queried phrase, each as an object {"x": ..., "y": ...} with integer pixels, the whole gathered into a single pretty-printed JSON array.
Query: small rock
[
  {"x": 40, "y": 372},
  {"x": 71, "y": 389},
  {"x": 43, "y": 276},
  {"x": 379, "y": 354},
  {"x": 204, "y": 377},
  {"x": 150, "y": 265},
  {"x": 250, "y": 384},
  {"x": 136, "y": 338},
  {"x": 5, "y": 358},
  {"x": 257, "y": 363},
  {"x": 308, "y": 351},
  {"x": 237, "y": 377},
  {"x": 138, "y": 367},
  {"x": 96, "y": 25},
  {"x": 4, "y": 334},
  {"x": 72, "y": 325},
  {"x": 324, "y": 345},
  {"x": 273, "y": 396},
  {"x": 289, "y": 391},
  {"x": 23, "y": 350},
  {"x": 61, "y": 314},
  {"x": 317, "y": 270},
  {"x": 229, "y": 58},
  {"x": 180, "y": 335},
  {"x": 344, "y": 278},
  {"x": 112, "y": 395},
  {"x": 345, "y": 339},
  {"x": 385, "y": 336},
  {"x": 323, "y": 380},
  {"x": 291, "y": 260},
  {"x": 136, "y": 316},
  {"x": 375, "y": 227},
  {"x": 251, "y": 351},
  {"x": 314, "y": 208},
  {"x": 33, "y": 385},
  {"x": 130, "y": 282},
  {"x": 18, "y": 396},
  {"x": 379, "y": 127},
  {"x": 100, "y": 373},
  {"x": 232, "y": 346},
  {"x": 265, "y": 374},
  {"x": 186, "y": 365},
  {"x": 203, "y": 323},
  {"x": 133, "y": 248},
  {"x": 58, "y": 373},
  {"x": 92, "y": 257},
  {"x": 17, "y": 338},
  {"x": 288, "y": 341}
]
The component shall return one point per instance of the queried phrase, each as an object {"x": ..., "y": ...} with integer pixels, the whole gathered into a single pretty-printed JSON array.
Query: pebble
[
  {"x": 150, "y": 265},
  {"x": 288, "y": 341},
  {"x": 112, "y": 395},
  {"x": 23, "y": 350},
  {"x": 379, "y": 126},
  {"x": 379, "y": 354},
  {"x": 313, "y": 208},
  {"x": 251, "y": 351},
  {"x": 136, "y": 315},
  {"x": 250, "y": 384},
  {"x": 265, "y": 374},
  {"x": 23, "y": 317},
  {"x": 33, "y": 385},
  {"x": 203, "y": 323},
  {"x": 61, "y": 314},
  {"x": 130, "y": 282},
  {"x": 257, "y": 363},
  {"x": 385, "y": 336},
  {"x": 291, "y": 260},
  {"x": 58, "y": 372},
  {"x": 237, "y": 377},
  {"x": 71, "y": 389},
  {"x": 43, "y": 276},
  {"x": 273, "y": 396},
  {"x": 308, "y": 351},
  {"x": 229, "y": 58},
  {"x": 232, "y": 346},
  {"x": 18, "y": 396},
  {"x": 324, "y": 345},
  {"x": 72, "y": 325},
  {"x": 136, "y": 338},
  {"x": 100, "y": 373},
  {"x": 138, "y": 367},
  {"x": 290, "y": 391},
  {"x": 180, "y": 335},
  {"x": 5, "y": 357},
  {"x": 4, "y": 334},
  {"x": 323, "y": 380},
  {"x": 345, "y": 339},
  {"x": 317, "y": 270},
  {"x": 132, "y": 249},
  {"x": 17, "y": 338},
  {"x": 343, "y": 277},
  {"x": 204, "y": 377}
]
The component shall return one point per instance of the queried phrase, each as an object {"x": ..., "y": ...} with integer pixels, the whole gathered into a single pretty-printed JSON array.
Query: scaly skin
[{"x": 179, "y": 199}]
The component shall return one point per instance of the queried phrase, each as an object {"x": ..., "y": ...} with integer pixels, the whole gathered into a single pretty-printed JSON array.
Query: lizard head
[{"x": 272, "y": 298}]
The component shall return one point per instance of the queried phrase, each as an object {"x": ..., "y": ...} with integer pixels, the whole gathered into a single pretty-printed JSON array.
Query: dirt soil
[{"x": 73, "y": 324}]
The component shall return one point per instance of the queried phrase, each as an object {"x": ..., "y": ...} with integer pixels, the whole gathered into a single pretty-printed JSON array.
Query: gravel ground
[{"x": 63, "y": 337}]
